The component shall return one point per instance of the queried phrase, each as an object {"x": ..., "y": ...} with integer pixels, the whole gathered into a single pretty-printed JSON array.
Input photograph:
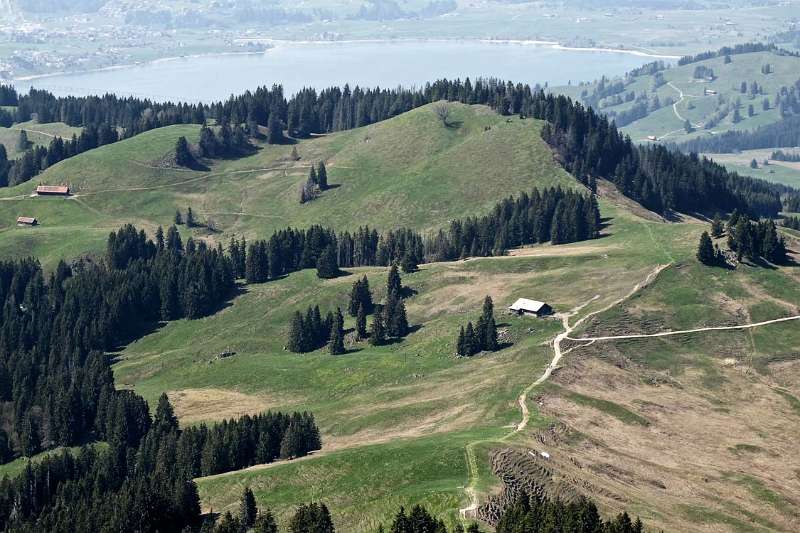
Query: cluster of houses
[{"x": 44, "y": 190}]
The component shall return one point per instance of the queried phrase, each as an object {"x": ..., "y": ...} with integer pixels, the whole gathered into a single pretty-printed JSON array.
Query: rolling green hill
[
  {"x": 38, "y": 135},
  {"x": 678, "y": 429},
  {"x": 405, "y": 171},
  {"x": 683, "y": 97}
]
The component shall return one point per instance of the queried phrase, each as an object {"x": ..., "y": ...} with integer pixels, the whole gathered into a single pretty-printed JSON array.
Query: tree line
[
  {"x": 589, "y": 144},
  {"x": 555, "y": 215},
  {"x": 727, "y": 51},
  {"x": 143, "y": 480},
  {"x": 591, "y": 147},
  {"x": 53, "y": 330},
  {"x": 527, "y": 514}
]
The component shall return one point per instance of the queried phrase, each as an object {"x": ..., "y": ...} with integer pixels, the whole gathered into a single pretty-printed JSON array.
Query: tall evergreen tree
[
  {"x": 327, "y": 264},
  {"x": 705, "y": 250},
  {"x": 322, "y": 176},
  {"x": 337, "y": 334},
  {"x": 247, "y": 509},
  {"x": 361, "y": 323},
  {"x": 377, "y": 332}
]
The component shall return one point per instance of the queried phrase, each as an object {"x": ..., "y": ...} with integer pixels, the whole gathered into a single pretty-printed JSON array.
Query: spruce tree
[
  {"x": 461, "y": 343},
  {"x": 398, "y": 323},
  {"x": 183, "y": 156},
  {"x": 322, "y": 176},
  {"x": 295, "y": 341},
  {"x": 178, "y": 218},
  {"x": 265, "y": 523},
  {"x": 361, "y": 322},
  {"x": 409, "y": 262},
  {"x": 717, "y": 227},
  {"x": 327, "y": 265},
  {"x": 705, "y": 250},
  {"x": 337, "y": 334},
  {"x": 393, "y": 282},
  {"x": 190, "y": 222},
  {"x": 247, "y": 509},
  {"x": 274, "y": 128},
  {"x": 470, "y": 344},
  {"x": 377, "y": 332}
]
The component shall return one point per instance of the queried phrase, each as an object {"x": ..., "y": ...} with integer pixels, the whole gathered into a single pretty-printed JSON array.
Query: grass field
[
  {"x": 38, "y": 135},
  {"x": 643, "y": 425},
  {"x": 403, "y": 171},
  {"x": 667, "y": 124},
  {"x": 777, "y": 171}
]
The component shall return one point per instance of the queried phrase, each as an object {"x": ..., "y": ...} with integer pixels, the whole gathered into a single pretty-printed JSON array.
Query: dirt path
[
  {"x": 472, "y": 463},
  {"x": 685, "y": 331},
  {"x": 683, "y": 96}
]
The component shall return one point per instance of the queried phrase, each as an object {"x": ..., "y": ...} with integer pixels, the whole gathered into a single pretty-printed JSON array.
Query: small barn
[
  {"x": 525, "y": 306},
  {"x": 27, "y": 221},
  {"x": 52, "y": 190}
]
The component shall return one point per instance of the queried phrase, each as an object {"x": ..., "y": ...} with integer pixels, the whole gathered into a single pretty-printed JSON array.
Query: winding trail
[{"x": 472, "y": 462}]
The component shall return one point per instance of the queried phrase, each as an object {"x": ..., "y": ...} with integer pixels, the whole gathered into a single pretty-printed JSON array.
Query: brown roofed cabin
[
  {"x": 52, "y": 190},
  {"x": 27, "y": 221},
  {"x": 524, "y": 306}
]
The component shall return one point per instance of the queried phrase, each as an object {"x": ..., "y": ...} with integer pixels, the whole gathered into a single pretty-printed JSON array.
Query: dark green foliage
[
  {"x": 792, "y": 222},
  {"x": 336, "y": 344},
  {"x": 322, "y": 176},
  {"x": 361, "y": 323},
  {"x": 754, "y": 240},
  {"x": 780, "y": 155},
  {"x": 483, "y": 337},
  {"x": 417, "y": 521},
  {"x": 393, "y": 282},
  {"x": 308, "y": 333},
  {"x": 300, "y": 437},
  {"x": 265, "y": 523},
  {"x": 229, "y": 524},
  {"x": 183, "y": 156},
  {"x": 247, "y": 509},
  {"x": 717, "y": 227},
  {"x": 534, "y": 515},
  {"x": 22, "y": 141},
  {"x": 190, "y": 221},
  {"x": 360, "y": 297},
  {"x": 394, "y": 315},
  {"x": 311, "y": 518},
  {"x": 178, "y": 218},
  {"x": 705, "y": 250},
  {"x": 275, "y": 129},
  {"x": 377, "y": 331},
  {"x": 409, "y": 262},
  {"x": 327, "y": 264}
]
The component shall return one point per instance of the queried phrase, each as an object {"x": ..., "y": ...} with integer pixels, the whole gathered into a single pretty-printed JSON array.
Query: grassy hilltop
[
  {"x": 694, "y": 432},
  {"x": 411, "y": 170}
]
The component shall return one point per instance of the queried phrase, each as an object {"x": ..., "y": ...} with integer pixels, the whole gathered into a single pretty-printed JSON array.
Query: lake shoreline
[{"x": 274, "y": 43}]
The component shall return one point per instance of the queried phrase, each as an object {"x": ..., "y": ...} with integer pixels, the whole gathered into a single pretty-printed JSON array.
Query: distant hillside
[
  {"x": 410, "y": 171},
  {"x": 656, "y": 102}
]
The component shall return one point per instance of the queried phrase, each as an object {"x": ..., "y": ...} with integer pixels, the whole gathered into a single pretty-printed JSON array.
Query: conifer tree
[
  {"x": 409, "y": 262},
  {"x": 393, "y": 282},
  {"x": 377, "y": 332},
  {"x": 705, "y": 250},
  {"x": 337, "y": 334},
  {"x": 247, "y": 509},
  {"x": 717, "y": 227},
  {"x": 183, "y": 156},
  {"x": 190, "y": 222},
  {"x": 470, "y": 345},
  {"x": 265, "y": 523},
  {"x": 361, "y": 323},
  {"x": 295, "y": 341},
  {"x": 327, "y": 265},
  {"x": 322, "y": 176},
  {"x": 461, "y": 347},
  {"x": 178, "y": 218},
  {"x": 274, "y": 129}
]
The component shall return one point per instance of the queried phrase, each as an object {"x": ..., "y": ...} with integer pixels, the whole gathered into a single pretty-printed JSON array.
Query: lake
[{"x": 365, "y": 63}]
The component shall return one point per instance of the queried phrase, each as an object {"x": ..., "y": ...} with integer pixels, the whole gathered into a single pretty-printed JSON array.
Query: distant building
[
  {"x": 52, "y": 190},
  {"x": 27, "y": 221},
  {"x": 710, "y": 92},
  {"x": 652, "y": 138},
  {"x": 524, "y": 306}
]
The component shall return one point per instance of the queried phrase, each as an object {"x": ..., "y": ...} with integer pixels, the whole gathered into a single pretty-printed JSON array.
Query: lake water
[{"x": 319, "y": 65}]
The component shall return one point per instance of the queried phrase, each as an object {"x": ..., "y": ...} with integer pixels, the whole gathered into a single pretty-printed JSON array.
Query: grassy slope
[
  {"x": 396, "y": 419},
  {"x": 406, "y": 170},
  {"x": 744, "y": 67},
  {"x": 38, "y": 135}
]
